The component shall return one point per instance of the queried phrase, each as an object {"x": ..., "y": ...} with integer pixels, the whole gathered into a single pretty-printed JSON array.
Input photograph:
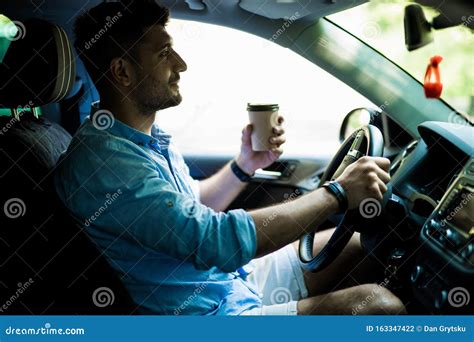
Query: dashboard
[
  {"x": 425, "y": 235},
  {"x": 431, "y": 217}
]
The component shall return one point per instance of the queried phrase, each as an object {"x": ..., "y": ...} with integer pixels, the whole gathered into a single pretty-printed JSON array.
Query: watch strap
[
  {"x": 338, "y": 191},
  {"x": 239, "y": 173}
]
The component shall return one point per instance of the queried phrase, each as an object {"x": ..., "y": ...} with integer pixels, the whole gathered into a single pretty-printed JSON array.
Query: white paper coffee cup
[{"x": 263, "y": 117}]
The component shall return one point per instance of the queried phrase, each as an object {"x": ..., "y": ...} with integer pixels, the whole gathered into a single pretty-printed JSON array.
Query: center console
[{"x": 443, "y": 275}]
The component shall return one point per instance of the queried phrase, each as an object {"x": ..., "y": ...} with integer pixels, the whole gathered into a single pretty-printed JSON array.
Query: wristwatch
[
  {"x": 239, "y": 173},
  {"x": 337, "y": 190}
]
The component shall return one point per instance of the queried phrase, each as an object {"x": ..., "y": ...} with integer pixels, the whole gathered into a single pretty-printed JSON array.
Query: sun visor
[{"x": 279, "y": 9}]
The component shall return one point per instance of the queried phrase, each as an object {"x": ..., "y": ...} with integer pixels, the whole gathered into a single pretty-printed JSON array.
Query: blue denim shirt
[{"x": 133, "y": 194}]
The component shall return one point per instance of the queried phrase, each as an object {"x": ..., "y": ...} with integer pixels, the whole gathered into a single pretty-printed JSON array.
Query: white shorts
[{"x": 279, "y": 279}]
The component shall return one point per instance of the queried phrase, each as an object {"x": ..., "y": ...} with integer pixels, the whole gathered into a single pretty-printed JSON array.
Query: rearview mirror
[{"x": 417, "y": 28}]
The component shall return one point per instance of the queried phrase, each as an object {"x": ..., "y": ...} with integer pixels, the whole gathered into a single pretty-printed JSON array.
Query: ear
[{"x": 122, "y": 71}]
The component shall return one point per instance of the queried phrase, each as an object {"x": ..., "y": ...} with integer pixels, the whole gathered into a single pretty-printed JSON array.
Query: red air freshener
[{"x": 433, "y": 86}]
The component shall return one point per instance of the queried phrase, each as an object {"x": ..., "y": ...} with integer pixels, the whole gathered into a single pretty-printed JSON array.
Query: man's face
[{"x": 157, "y": 75}]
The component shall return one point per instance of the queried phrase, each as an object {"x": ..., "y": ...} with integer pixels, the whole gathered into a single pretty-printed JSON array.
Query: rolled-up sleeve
[{"x": 146, "y": 207}]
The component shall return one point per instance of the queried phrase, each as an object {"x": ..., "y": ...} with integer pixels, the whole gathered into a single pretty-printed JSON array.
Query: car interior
[{"x": 423, "y": 232}]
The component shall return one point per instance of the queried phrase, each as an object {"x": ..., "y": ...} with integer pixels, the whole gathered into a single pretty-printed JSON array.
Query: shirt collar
[{"x": 158, "y": 139}]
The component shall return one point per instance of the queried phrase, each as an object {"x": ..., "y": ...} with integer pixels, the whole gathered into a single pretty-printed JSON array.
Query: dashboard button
[
  {"x": 453, "y": 239},
  {"x": 416, "y": 274},
  {"x": 441, "y": 298},
  {"x": 467, "y": 251},
  {"x": 433, "y": 229},
  {"x": 434, "y": 224}
]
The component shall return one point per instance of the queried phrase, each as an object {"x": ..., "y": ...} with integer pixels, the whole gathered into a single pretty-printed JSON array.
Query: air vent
[
  {"x": 401, "y": 159},
  {"x": 411, "y": 146}
]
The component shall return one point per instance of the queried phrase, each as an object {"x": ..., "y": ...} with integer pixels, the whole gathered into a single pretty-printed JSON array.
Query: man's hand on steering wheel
[
  {"x": 366, "y": 178},
  {"x": 357, "y": 176}
]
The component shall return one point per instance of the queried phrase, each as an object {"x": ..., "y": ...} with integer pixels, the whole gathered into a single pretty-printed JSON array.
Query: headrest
[{"x": 38, "y": 68}]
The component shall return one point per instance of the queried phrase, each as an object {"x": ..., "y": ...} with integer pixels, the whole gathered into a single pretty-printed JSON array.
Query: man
[{"x": 165, "y": 233}]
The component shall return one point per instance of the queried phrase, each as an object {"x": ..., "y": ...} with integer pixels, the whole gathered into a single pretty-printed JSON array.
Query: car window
[
  {"x": 380, "y": 25},
  {"x": 228, "y": 68}
]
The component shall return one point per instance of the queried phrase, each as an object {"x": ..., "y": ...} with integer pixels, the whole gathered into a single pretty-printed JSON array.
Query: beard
[{"x": 151, "y": 96}]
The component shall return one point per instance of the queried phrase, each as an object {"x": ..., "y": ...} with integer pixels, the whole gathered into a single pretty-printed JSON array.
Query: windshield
[{"x": 380, "y": 25}]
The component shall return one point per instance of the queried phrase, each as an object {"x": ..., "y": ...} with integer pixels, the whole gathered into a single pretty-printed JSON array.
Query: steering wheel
[{"x": 367, "y": 140}]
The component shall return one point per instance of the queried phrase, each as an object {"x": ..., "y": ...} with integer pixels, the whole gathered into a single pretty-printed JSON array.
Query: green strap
[{"x": 18, "y": 112}]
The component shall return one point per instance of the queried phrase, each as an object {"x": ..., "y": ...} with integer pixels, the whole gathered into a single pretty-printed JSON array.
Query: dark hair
[{"x": 114, "y": 29}]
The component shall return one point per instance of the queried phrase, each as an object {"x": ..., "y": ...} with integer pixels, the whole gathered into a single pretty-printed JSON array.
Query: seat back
[{"x": 48, "y": 265}]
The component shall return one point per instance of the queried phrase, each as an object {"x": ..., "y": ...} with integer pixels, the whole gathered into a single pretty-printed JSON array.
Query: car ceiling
[{"x": 63, "y": 12}]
